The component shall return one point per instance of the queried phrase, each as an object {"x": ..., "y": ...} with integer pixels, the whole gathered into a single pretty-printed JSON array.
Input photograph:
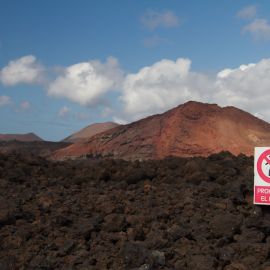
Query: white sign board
[{"x": 262, "y": 175}]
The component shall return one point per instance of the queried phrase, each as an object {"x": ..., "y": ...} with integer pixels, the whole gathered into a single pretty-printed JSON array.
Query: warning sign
[{"x": 262, "y": 175}]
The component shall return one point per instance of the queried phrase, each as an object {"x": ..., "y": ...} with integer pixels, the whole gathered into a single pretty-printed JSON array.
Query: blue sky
[{"x": 67, "y": 64}]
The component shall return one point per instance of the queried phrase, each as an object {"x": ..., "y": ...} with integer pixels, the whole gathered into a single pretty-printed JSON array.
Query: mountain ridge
[{"x": 190, "y": 129}]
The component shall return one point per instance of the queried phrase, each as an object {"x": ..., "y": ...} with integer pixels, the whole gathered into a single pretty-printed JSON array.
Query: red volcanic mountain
[
  {"x": 191, "y": 129},
  {"x": 29, "y": 137},
  {"x": 90, "y": 131}
]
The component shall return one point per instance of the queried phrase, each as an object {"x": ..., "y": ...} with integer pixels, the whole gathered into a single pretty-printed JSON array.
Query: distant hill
[
  {"x": 191, "y": 129},
  {"x": 89, "y": 131},
  {"x": 29, "y": 137}
]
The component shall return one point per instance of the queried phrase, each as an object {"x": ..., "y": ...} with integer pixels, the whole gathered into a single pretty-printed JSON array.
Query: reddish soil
[
  {"x": 176, "y": 213},
  {"x": 191, "y": 129}
]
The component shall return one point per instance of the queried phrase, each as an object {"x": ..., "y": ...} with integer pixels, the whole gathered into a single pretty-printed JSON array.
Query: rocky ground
[{"x": 193, "y": 213}]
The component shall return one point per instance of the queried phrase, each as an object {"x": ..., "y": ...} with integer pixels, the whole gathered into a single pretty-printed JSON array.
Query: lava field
[{"x": 175, "y": 213}]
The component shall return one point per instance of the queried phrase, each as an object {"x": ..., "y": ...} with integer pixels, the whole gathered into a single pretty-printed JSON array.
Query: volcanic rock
[
  {"x": 50, "y": 220},
  {"x": 191, "y": 129}
]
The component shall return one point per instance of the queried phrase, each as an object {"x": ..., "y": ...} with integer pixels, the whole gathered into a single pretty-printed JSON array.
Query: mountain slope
[
  {"x": 191, "y": 129},
  {"x": 90, "y": 131},
  {"x": 29, "y": 137}
]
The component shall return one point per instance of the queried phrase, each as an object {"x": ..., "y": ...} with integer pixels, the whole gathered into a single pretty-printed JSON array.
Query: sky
[{"x": 66, "y": 64}]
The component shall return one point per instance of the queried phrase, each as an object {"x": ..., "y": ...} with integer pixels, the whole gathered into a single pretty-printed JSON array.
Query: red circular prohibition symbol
[{"x": 262, "y": 157}]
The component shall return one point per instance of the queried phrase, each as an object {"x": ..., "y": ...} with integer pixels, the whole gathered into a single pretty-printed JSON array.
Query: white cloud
[
  {"x": 161, "y": 86},
  {"x": 167, "y": 83},
  {"x": 23, "y": 70},
  {"x": 246, "y": 87},
  {"x": 25, "y": 105},
  {"x": 248, "y": 12},
  {"x": 153, "y": 19},
  {"x": 4, "y": 100},
  {"x": 63, "y": 112},
  {"x": 226, "y": 72},
  {"x": 259, "y": 29},
  {"x": 86, "y": 83}
]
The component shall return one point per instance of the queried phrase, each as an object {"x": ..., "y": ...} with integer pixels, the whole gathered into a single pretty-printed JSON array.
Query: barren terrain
[{"x": 176, "y": 213}]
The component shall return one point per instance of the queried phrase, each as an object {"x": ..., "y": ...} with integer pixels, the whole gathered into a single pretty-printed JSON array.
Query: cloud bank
[
  {"x": 152, "y": 89},
  {"x": 167, "y": 83}
]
